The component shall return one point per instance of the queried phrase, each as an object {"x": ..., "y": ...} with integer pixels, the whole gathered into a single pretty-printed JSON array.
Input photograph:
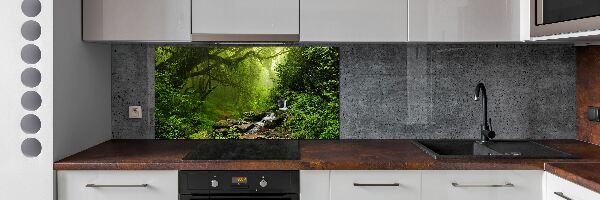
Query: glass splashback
[{"x": 226, "y": 92}]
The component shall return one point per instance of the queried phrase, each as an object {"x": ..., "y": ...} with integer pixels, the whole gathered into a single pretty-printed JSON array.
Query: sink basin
[{"x": 496, "y": 149}]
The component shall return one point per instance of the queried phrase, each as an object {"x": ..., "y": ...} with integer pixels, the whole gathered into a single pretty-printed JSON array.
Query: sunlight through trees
[{"x": 237, "y": 92}]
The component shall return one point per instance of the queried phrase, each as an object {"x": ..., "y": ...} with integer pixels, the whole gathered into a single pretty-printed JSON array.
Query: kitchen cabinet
[
  {"x": 468, "y": 20},
  {"x": 314, "y": 184},
  {"x": 482, "y": 184},
  {"x": 309, "y": 21},
  {"x": 353, "y": 21},
  {"x": 117, "y": 185},
  {"x": 374, "y": 184},
  {"x": 245, "y": 20},
  {"x": 136, "y": 20},
  {"x": 560, "y": 189}
]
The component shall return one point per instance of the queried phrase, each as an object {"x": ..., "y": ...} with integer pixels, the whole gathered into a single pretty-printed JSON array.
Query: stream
[{"x": 269, "y": 117}]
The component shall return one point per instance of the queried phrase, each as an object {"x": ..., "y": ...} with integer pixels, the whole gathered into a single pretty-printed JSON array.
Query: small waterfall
[
  {"x": 267, "y": 118},
  {"x": 282, "y": 104}
]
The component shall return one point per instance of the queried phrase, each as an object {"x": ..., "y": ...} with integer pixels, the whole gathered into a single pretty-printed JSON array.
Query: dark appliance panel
[
  {"x": 554, "y": 11},
  {"x": 233, "y": 185},
  {"x": 265, "y": 197}
]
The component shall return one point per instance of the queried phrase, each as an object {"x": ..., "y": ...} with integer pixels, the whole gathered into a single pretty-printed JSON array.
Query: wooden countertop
[
  {"x": 331, "y": 155},
  {"x": 314, "y": 154}
]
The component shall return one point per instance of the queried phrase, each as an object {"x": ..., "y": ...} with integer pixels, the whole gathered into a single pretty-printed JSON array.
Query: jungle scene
[{"x": 229, "y": 92}]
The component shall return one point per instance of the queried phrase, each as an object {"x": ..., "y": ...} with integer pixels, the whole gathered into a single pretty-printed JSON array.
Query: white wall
[
  {"x": 75, "y": 93},
  {"x": 24, "y": 177},
  {"x": 82, "y": 89}
]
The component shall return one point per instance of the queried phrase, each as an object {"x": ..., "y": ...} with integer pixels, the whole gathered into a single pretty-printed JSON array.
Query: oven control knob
[
  {"x": 263, "y": 183},
  {"x": 214, "y": 183}
]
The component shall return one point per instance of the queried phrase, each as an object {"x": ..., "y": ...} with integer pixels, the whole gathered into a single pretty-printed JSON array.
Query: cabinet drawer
[
  {"x": 375, "y": 185},
  {"x": 117, "y": 185},
  {"x": 560, "y": 189},
  {"x": 482, "y": 184}
]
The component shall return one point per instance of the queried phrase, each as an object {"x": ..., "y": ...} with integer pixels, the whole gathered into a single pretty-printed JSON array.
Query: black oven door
[{"x": 240, "y": 197}]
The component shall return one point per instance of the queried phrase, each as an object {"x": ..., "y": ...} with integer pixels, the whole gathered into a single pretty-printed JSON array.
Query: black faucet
[{"x": 486, "y": 129}]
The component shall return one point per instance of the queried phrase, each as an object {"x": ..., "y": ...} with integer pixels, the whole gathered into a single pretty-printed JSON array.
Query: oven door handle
[{"x": 249, "y": 197}]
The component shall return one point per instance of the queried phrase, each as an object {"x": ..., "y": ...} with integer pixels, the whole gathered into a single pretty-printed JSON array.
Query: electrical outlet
[{"x": 135, "y": 112}]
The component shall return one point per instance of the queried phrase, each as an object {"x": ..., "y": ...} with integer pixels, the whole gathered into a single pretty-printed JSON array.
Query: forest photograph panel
[{"x": 247, "y": 92}]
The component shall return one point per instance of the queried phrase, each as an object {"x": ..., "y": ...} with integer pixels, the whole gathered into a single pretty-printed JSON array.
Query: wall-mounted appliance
[{"x": 555, "y": 17}]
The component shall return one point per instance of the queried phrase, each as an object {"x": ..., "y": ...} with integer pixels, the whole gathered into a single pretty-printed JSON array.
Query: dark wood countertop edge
[
  {"x": 300, "y": 165},
  {"x": 573, "y": 177},
  {"x": 109, "y": 156}
]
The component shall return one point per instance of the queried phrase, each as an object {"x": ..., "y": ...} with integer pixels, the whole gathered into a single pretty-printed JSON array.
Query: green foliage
[
  {"x": 309, "y": 77},
  {"x": 196, "y": 86},
  {"x": 178, "y": 113},
  {"x": 314, "y": 117},
  {"x": 309, "y": 70},
  {"x": 199, "y": 86}
]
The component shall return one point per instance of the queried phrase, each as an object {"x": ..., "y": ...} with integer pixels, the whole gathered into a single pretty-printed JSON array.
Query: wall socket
[
  {"x": 593, "y": 114},
  {"x": 135, "y": 112}
]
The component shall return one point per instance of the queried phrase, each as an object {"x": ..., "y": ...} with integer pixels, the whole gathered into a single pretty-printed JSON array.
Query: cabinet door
[
  {"x": 117, "y": 185},
  {"x": 353, "y": 20},
  {"x": 314, "y": 185},
  {"x": 244, "y": 18},
  {"x": 136, "y": 20},
  {"x": 375, "y": 185},
  {"x": 482, "y": 184},
  {"x": 468, "y": 20},
  {"x": 560, "y": 189}
]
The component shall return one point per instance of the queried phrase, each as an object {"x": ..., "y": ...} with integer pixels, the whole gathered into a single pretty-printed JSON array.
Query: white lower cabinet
[
  {"x": 421, "y": 185},
  {"x": 117, "y": 185},
  {"x": 341, "y": 185},
  {"x": 560, "y": 189},
  {"x": 375, "y": 185},
  {"x": 314, "y": 184},
  {"x": 482, "y": 185}
]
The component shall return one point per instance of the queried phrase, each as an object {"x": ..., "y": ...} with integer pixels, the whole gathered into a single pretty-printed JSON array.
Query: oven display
[{"x": 239, "y": 180}]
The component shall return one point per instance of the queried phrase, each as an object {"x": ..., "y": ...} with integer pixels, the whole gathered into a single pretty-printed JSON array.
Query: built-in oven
[
  {"x": 238, "y": 185},
  {"x": 552, "y": 17}
]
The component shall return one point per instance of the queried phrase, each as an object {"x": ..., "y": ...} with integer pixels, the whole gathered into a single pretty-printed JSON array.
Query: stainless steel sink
[{"x": 495, "y": 149}]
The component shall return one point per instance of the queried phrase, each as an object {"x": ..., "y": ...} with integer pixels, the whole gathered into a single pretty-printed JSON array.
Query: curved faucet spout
[
  {"x": 481, "y": 88},
  {"x": 486, "y": 132}
]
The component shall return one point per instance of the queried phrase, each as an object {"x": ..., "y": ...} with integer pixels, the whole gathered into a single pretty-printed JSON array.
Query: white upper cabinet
[
  {"x": 468, "y": 20},
  {"x": 245, "y": 20},
  {"x": 307, "y": 20},
  {"x": 136, "y": 20},
  {"x": 353, "y": 20}
]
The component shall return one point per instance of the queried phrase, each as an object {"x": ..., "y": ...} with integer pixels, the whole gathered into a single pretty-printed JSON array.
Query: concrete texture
[
  {"x": 410, "y": 90},
  {"x": 132, "y": 85},
  {"x": 426, "y": 91}
]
